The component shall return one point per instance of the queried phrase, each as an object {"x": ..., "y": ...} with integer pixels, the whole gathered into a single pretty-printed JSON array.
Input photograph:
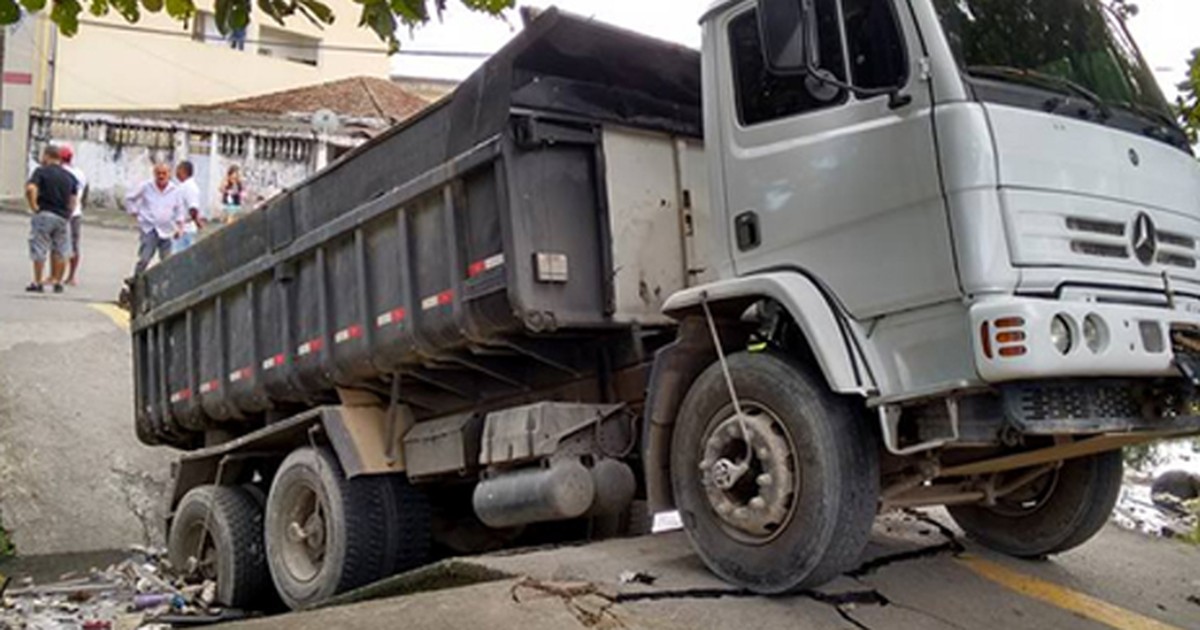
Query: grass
[{"x": 7, "y": 549}]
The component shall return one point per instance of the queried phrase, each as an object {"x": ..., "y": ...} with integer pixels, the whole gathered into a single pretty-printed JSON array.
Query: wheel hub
[
  {"x": 747, "y": 473},
  {"x": 304, "y": 535}
]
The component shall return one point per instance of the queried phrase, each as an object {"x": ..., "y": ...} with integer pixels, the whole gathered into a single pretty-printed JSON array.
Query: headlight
[
  {"x": 1095, "y": 333},
  {"x": 1060, "y": 334}
]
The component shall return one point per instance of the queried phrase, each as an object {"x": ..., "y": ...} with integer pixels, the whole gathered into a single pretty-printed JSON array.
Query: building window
[
  {"x": 274, "y": 42},
  {"x": 204, "y": 29}
]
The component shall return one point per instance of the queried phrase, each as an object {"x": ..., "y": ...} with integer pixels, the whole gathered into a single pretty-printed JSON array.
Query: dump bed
[{"x": 513, "y": 241}]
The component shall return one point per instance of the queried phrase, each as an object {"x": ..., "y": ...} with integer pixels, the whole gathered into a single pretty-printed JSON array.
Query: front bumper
[{"x": 1012, "y": 340}]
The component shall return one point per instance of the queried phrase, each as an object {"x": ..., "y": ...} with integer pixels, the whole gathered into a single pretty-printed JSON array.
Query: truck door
[{"x": 843, "y": 187}]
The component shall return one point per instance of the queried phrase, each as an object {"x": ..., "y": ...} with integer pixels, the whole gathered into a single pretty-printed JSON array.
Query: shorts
[
  {"x": 49, "y": 233},
  {"x": 76, "y": 231}
]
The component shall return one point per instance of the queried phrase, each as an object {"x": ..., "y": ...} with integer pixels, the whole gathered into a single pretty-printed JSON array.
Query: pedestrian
[
  {"x": 158, "y": 207},
  {"x": 233, "y": 193},
  {"x": 68, "y": 157},
  {"x": 190, "y": 195},
  {"x": 51, "y": 195}
]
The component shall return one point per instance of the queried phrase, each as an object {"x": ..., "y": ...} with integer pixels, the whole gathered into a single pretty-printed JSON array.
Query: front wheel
[
  {"x": 1056, "y": 512},
  {"x": 782, "y": 498}
]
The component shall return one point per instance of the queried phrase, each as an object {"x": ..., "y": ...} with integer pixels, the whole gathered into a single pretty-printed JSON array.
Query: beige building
[{"x": 159, "y": 63}]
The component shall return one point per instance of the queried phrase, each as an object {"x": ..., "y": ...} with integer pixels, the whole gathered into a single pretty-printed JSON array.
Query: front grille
[
  {"x": 1176, "y": 239},
  {"x": 1176, "y": 260},
  {"x": 1095, "y": 226},
  {"x": 1099, "y": 249}
]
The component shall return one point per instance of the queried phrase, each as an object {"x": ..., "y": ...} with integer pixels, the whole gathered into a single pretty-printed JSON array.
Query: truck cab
[{"x": 971, "y": 224}]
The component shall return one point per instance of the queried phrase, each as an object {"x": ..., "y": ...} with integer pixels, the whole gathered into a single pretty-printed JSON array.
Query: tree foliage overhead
[
  {"x": 383, "y": 17},
  {"x": 1188, "y": 104}
]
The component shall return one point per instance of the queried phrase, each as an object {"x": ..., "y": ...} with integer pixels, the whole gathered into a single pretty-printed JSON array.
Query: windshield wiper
[
  {"x": 1162, "y": 118},
  {"x": 1042, "y": 79}
]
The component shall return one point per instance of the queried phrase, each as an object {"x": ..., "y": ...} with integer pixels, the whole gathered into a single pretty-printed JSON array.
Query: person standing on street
[
  {"x": 189, "y": 192},
  {"x": 159, "y": 209},
  {"x": 68, "y": 155},
  {"x": 51, "y": 194},
  {"x": 233, "y": 193}
]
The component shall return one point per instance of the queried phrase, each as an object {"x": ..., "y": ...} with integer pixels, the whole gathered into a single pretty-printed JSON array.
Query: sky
[{"x": 1166, "y": 31}]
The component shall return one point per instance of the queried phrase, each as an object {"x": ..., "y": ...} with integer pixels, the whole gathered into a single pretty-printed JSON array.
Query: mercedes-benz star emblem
[{"x": 1145, "y": 238}]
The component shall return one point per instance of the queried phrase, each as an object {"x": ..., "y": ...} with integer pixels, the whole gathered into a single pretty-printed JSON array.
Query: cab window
[{"x": 872, "y": 40}]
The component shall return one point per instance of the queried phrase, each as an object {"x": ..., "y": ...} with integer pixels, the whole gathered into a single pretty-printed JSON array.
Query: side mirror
[{"x": 787, "y": 29}]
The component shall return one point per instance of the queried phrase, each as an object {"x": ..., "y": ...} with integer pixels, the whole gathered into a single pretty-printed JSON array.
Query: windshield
[{"x": 1077, "y": 47}]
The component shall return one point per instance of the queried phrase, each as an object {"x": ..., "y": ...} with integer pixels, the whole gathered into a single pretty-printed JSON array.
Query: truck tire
[
  {"x": 1061, "y": 511},
  {"x": 326, "y": 534},
  {"x": 232, "y": 553},
  {"x": 802, "y": 513}
]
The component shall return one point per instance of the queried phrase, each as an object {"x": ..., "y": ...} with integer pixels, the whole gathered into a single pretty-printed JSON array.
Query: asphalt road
[
  {"x": 73, "y": 476},
  {"x": 917, "y": 574}
]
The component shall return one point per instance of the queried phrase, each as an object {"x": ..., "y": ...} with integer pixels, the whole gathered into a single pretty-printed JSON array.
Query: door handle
[{"x": 748, "y": 234}]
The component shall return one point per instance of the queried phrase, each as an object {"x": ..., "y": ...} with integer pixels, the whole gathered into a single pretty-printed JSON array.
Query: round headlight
[
  {"x": 1095, "y": 333},
  {"x": 1060, "y": 334}
]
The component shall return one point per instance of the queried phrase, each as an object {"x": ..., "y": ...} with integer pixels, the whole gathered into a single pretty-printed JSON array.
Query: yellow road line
[
  {"x": 1062, "y": 597},
  {"x": 119, "y": 316}
]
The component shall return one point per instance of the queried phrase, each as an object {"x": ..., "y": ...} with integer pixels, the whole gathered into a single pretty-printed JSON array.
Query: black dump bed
[{"x": 459, "y": 259}]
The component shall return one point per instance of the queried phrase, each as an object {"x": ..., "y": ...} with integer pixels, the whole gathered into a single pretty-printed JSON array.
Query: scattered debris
[
  {"x": 638, "y": 577},
  {"x": 1155, "y": 499},
  {"x": 140, "y": 592}
]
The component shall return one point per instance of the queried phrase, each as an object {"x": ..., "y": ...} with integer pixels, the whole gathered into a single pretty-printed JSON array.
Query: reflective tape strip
[
  {"x": 309, "y": 347},
  {"x": 181, "y": 395},
  {"x": 394, "y": 316},
  {"x": 441, "y": 299},
  {"x": 273, "y": 362},
  {"x": 346, "y": 334},
  {"x": 210, "y": 386},
  {"x": 487, "y": 264},
  {"x": 239, "y": 375}
]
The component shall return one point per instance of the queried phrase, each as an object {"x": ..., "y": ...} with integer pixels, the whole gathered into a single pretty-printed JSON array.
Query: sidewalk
[{"x": 99, "y": 217}]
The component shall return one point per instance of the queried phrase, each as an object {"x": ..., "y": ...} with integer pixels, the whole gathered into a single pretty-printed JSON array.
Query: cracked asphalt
[
  {"x": 73, "y": 477},
  {"x": 917, "y": 574}
]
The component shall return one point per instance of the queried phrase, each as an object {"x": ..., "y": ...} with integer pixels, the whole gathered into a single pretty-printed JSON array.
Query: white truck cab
[{"x": 970, "y": 225}]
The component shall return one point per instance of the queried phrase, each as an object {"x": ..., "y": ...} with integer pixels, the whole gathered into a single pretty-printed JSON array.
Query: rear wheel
[
  {"x": 217, "y": 534},
  {"x": 784, "y": 497},
  {"x": 326, "y": 534},
  {"x": 1056, "y": 512}
]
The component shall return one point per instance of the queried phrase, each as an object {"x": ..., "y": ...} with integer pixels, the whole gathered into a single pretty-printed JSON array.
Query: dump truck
[{"x": 853, "y": 256}]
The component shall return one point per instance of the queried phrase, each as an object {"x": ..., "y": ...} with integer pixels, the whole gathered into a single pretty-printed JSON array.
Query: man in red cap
[{"x": 68, "y": 154}]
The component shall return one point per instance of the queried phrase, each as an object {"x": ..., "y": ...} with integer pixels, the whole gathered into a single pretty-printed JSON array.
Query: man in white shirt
[
  {"x": 190, "y": 194},
  {"x": 68, "y": 155},
  {"x": 158, "y": 207}
]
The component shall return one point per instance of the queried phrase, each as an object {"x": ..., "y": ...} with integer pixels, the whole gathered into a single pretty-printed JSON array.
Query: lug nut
[
  {"x": 764, "y": 453},
  {"x": 763, "y": 480},
  {"x": 758, "y": 503},
  {"x": 741, "y": 514}
]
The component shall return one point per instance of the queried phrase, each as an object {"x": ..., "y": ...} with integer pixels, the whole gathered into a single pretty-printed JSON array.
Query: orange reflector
[
  {"x": 985, "y": 338},
  {"x": 1010, "y": 322},
  {"x": 1012, "y": 336},
  {"x": 1012, "y": 351}
]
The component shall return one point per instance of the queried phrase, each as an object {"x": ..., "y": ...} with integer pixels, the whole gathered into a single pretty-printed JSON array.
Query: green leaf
[
  {"x": 239, "y": 14},
  {"x": 65, "y": 14},
  {"x": 153, "y": 6},
  {"x": 410, "y": 11},
  {"x": 179, "y": 9},
  {"x": 128, "y": 9},
  {"x": 316, "y": 9},
  {"x": 221, "y": 13},
  {"x": 269, "y": 7},
  {"x": 33, "y": 6},
  {"x": 9, "y": 12},
  {"x": 98, "y": 8}
]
